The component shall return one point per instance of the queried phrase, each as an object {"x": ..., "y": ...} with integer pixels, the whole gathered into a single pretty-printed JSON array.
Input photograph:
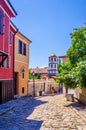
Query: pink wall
[{"x": 7, "y": 73}]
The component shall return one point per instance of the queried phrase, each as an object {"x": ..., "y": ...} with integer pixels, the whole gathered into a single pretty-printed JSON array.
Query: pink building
[{"x": 7, "y": 33}]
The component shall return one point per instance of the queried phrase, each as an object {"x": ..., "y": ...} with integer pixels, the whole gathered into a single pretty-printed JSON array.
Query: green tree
[
  {"x": 66, "y": 76},
  {"x": 73, "y": 73},
  {"x": 77, "y": 51},
  {"x": 36, "y": 76},
  {"x": 80, "y": 73}
]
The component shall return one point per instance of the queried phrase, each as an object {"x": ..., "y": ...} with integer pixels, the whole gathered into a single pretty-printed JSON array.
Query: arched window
[{"x": 23, "y": 71}]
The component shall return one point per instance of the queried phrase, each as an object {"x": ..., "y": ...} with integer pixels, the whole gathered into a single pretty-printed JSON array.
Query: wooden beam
[{"x": 3, "y": 57}]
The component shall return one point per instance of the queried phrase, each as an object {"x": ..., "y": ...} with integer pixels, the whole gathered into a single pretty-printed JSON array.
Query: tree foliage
[
  {"x": 36, "y": 76},
  {"x": 80, "y": 72},
  {"x": 77, "y": 51},
  {"x": 73, "y": 73},
  {"x": 66, "y": 75}
]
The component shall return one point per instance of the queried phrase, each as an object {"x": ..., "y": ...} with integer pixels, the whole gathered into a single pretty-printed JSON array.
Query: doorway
[
  {"x": 0, "y": 92},
  {"x": 16, "y": 83}
]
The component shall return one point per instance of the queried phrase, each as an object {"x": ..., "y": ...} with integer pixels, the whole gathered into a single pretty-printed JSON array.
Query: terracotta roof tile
[{"x": 40, "y": 70}]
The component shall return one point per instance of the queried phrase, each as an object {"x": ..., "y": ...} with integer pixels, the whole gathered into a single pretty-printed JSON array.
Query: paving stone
[
  {"x": 84, "y": 128},
  {"x": 42, "y": 113}
]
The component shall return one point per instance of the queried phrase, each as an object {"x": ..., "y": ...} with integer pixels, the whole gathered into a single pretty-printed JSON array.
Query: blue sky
[{"x": 48, "y": 24}]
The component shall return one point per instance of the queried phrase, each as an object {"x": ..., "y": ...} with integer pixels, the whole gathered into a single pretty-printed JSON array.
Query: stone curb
[{"x": 5, "y": 111}]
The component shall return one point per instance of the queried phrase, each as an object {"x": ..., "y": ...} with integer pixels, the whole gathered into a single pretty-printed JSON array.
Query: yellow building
[{"x": 21, "y": 64}]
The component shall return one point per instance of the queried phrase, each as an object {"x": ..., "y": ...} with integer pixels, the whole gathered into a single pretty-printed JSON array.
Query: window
[
  {"x": 51, "y": 59},
  {"x": 54, "y": 65},
  {"x": 51, "y": 65},
  {"x": 54, "y": 59},
  {"x": 1, "y": 22},
  {"x": 11, "y": 37},
  {"x": 8, "y": 62},
  {"x": 49, "y": 71},
  {"x": 22, "y": 48},
  {"x": 22, "y": 89},
  {"x": 23, "y": 73}
]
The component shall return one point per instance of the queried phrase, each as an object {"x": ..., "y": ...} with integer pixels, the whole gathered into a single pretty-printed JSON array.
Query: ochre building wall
[
  {"x": 21, "y": 82},
  {"x": 21, "y": 62}
]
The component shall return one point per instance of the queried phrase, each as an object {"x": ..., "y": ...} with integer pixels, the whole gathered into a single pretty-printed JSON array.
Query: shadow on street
[
  {"x": 77, "y": 105},
  {"x": 16, "y": 119}
]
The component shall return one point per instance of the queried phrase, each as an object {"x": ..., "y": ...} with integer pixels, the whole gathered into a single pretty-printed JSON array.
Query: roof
[
  {"x": 10, "y": 7},
  {"x": 53, "y": 55},
  {"x": 14, "y": 26},
  {"x": 40, "y": 70},
  {"x": 24, "y": 36},
  {"x": 62, "y": 56}
]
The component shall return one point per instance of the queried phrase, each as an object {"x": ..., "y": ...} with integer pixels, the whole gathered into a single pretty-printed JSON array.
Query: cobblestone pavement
[{"x": 42, "y": 113}]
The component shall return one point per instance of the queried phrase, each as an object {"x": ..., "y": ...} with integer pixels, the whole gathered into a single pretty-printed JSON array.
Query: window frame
[
  {"x": 11, "y": 38},
  {"x": 21, "y": 47},
  {"x": 1, "y": 22}
]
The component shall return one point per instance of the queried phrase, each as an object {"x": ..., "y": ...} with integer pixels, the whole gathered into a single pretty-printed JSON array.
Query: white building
[{"x": 52, "y": 65}]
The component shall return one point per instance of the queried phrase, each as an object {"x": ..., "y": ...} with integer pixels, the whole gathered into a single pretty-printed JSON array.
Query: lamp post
[{"x": 33, "y": 73}]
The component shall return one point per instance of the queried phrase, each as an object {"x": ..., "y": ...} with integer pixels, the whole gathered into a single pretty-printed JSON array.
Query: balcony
[{"x": 3, "y": 57}]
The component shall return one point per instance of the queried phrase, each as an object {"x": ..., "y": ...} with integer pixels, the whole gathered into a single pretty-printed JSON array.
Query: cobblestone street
[{"x": 42, "y": 113}]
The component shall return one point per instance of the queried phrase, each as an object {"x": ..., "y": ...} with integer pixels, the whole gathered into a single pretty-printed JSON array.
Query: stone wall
[
  {"x": 78, "y": 93},
  {"x": 81, "y": 94},
  {"x": 42, "y": 86}
]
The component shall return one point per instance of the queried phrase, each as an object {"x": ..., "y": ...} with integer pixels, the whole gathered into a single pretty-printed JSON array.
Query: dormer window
[{"x": 1, "y": 23}]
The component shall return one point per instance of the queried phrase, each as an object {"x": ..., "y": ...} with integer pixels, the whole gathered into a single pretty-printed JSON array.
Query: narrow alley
[{"x": 42, "y": 113}]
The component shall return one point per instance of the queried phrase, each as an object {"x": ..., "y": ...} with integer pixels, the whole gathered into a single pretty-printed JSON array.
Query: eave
[
  {"x": 13, "y": 26},
  {"x": 9, "y": 5}
]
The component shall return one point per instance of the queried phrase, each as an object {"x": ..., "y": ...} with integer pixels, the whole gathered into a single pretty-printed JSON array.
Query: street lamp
[{"x": 33, "y": 73}]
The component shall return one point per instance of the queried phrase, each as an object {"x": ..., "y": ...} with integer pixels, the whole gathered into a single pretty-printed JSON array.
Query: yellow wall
[
  {"x": 21, "y": 62},
  {"x": 20, "y": 57},
  {"x": 22, "y": 82}
]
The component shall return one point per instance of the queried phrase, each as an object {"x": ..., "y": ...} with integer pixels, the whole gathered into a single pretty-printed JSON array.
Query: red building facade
[{"x": 7, "y": 34}]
